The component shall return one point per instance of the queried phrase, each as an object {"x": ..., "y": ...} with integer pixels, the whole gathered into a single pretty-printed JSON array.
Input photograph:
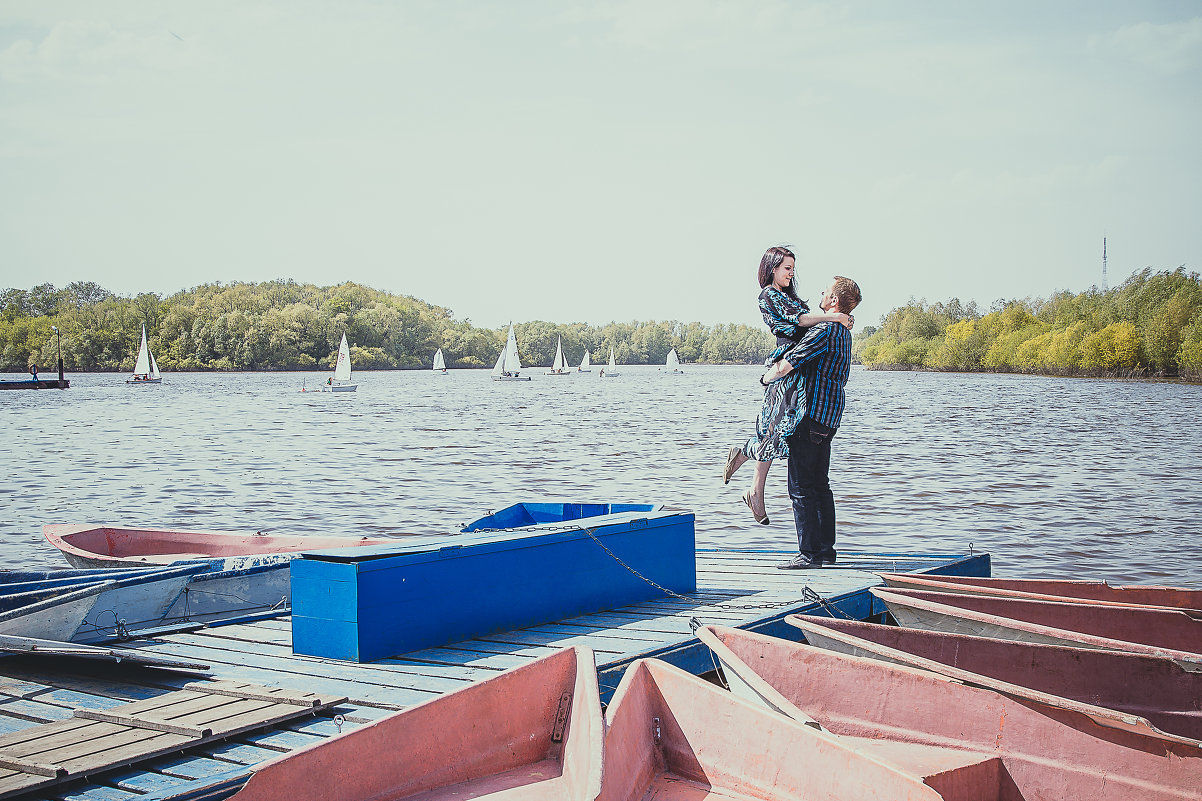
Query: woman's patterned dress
[{"x": 785, "y": 399}]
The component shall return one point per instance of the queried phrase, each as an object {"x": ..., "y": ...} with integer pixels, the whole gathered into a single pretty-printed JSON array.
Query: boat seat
[
  {"x": 956, "y": 774},
  {"x": 168, "y": 558}
]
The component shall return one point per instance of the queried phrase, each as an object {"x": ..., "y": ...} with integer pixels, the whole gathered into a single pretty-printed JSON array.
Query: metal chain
[{"x": 807, "y": 593}]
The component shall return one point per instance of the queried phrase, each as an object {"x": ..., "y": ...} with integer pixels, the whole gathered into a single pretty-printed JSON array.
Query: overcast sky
[{"x": 600, "y": 161}]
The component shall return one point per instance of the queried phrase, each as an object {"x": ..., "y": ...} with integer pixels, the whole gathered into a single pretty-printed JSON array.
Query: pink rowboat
[
  {"x": 1097, "y": 592},
  {"x": 966, "y": 742},
  {"x": 671, "y": 736},
  {"x": 1139, "y": 629},
  {"x": 1143, "y": 693},
  {"x": 533, "y": 732},
  {"x": 91, "y": 546}
]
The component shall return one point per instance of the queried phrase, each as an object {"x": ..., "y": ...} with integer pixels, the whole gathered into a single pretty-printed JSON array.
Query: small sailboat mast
[
  {"x": 146, "y": 369},
  {"x": 440, "y": 365}
]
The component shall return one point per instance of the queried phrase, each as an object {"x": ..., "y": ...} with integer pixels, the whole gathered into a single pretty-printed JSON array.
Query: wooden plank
[
  {"x": 137, "y": 722},
  {"x": 100, "y": 739},
  {"x": 30, "y": 766},
  {"x": 92, "y": 793},
  {"x": 276, "y": 695}
]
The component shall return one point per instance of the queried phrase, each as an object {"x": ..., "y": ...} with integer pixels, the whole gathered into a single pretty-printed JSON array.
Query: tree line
[
  {"x": 1150, "y": 325},
  {"x": 283, "y": 325}
]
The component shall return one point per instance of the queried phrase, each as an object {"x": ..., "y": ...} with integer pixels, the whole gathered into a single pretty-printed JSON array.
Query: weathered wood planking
[
  {"x": 95, "y": 740},
  {"x": 735, "y": 588}
]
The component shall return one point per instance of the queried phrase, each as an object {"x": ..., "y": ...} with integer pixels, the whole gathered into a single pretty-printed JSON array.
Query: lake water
[{"x": 1054, "y": 477}]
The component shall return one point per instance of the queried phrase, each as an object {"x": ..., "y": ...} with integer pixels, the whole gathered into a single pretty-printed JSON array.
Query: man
[{"x": 825, "y": 354}]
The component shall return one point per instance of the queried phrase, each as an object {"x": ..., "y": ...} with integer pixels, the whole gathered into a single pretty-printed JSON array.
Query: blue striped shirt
[{"x": 825, "y": 353}]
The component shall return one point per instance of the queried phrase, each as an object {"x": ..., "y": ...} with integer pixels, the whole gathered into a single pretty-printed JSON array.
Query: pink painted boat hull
[
  {"x": 90, "y": 546},
  {"x": 1050, "y": 589},
  {"x": 1170, "y": 633},
  {"x": 674, "y": 737},
  {"x": 491, "y": 740},
  {"x": 966, "y": 742},
  {"x": 1142, "y": 688}
]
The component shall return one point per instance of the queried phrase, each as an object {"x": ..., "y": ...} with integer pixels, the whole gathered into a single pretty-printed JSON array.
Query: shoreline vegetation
[
  {"x": 1149, "y": 327},
  {"x": 283, "y": 325}
]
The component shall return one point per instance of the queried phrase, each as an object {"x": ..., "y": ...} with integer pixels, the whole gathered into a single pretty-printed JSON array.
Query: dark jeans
[{"x": 810, "y": 491}]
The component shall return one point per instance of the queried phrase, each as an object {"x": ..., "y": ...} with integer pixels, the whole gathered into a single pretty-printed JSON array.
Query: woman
[{"x": 787, "y": 316}]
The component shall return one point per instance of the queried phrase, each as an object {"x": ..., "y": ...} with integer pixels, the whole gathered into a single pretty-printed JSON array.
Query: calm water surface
[{"x": 1054, "y": 477}]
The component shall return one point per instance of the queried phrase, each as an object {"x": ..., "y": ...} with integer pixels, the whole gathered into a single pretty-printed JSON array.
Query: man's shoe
[
  {"x": 828, "y": 558},
  {"x": 800, "y": 562}
]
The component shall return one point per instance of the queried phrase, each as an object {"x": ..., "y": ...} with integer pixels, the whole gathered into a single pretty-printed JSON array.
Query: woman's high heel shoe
[{"x": 762, "y": 519}]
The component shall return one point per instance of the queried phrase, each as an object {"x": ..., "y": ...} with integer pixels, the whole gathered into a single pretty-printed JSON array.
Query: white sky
[{"x": 595, "y": 161}]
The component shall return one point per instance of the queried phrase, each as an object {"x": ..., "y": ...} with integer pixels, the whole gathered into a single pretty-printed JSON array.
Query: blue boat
[{"x": 525, "y": 565}]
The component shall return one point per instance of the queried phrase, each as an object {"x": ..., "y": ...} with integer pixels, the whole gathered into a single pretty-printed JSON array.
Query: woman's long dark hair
[{"x": 772, "y": 259}]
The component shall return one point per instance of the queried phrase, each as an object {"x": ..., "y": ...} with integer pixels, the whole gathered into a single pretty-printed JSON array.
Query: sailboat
[
  {"x": 584, "y": 364},
  {"x": 559, "y": 366},
  {"x": 508, "y": 364},
  {"x": 440, "y": 366},
  {"x": 610, "y": 370},
  {"x": 146, "y": 370},
  {"x": 673, "y": 363},
  {"x": 341, "y": 380}
]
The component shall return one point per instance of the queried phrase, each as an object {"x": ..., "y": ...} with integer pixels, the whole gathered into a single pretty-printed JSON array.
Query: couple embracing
[{"x": 803, "y": 403}]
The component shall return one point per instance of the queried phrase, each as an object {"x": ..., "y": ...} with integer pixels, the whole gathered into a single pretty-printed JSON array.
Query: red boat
[
  {"x": 1170, "y": 633},
  {"x": 964, "y": 741},
  {"x": 533, "y": 732},
  {"x": 90, "y": 546},
  {"x": 671, "y": 736},
  {"x": 1144, "y": 693},
  {"x": 1098, "y": 592}
]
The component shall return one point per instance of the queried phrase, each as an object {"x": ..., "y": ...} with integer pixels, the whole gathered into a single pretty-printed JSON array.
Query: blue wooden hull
[
  {"x": 533, "y": 514},
  {"x": 362, "y": 604}
]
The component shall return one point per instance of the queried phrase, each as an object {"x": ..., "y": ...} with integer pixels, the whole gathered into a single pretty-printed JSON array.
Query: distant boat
[
  {"x": 440, "y": 366},
  {"x": 146, "y": 370},
  {"x": 560, "y": 365},
  {"x": 341, "y": 380},
  {"x": 584, "y": 367},
  {"x": 673, "y": 363},
  {"x": 610, "y": 370},
  {"x": 508, "y": 364}
]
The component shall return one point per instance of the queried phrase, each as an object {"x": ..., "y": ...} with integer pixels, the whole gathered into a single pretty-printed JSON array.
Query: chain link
[{"x": 807, "y": 593}]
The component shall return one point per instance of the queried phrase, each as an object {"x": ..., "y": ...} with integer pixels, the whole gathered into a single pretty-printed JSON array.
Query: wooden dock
[{"x": 739, "y": 588}]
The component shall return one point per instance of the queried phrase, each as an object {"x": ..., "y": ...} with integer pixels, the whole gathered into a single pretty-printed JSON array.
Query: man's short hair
[{"x": 847, "y": 292}]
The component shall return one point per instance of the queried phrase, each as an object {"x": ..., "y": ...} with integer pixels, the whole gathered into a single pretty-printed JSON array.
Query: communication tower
[{"x": 1103, "y": 264}]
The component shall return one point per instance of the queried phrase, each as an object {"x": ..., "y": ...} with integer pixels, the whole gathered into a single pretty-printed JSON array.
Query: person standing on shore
[
  {"x": 824, "y": 356},
  {"x": 788, "y": 317}
]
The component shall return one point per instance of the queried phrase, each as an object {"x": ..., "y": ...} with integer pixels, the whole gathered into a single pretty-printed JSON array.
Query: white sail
[
  {"x": 611, "y": 359},
  {"x": 154, "y": 367},
  {"x": 142, "y": 367},
  {"x": 673, "y": 360},
  {"x": 439, "y": 364},
  {"x": 342, "y": 369},
  {"x": 500, "y": 365},
  {"x": 584, "y": 365},
  {"x": 512, "y": 362},
  {"x": 558, "y": 364}
]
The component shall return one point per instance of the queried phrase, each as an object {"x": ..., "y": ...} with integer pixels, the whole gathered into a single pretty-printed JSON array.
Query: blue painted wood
[
  {"x": 533, "y": 514},
  {"x": 741, "y": 589},
  {"x": 95, "y": 792},
  {"x": 362, "y": 604},
  {"x": 10, "y": 724}
]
